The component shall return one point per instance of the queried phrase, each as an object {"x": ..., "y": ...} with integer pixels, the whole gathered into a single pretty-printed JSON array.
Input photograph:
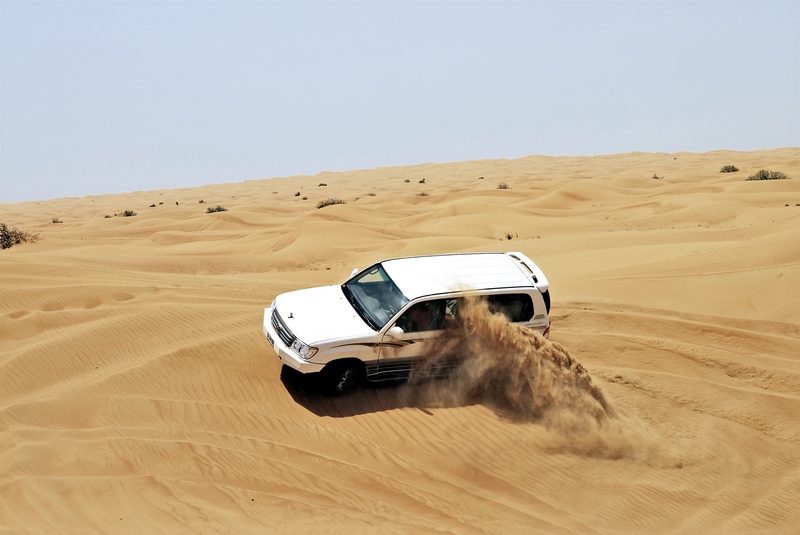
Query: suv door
[{"x": 422, "y": 323}]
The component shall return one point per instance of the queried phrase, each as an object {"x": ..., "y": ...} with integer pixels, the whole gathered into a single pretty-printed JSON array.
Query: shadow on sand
[
  {"x": 367, "y": 398},
  {"x": 424, "y": 395}
]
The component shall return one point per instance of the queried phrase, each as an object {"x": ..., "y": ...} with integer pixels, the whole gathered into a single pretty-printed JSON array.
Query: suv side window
[
  {"x": 427, "y": 315},
  {"x": 515, "y": 307}
]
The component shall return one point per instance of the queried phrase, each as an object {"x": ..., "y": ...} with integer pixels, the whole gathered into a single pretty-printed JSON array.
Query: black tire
[{"x": 341, "y": 377}]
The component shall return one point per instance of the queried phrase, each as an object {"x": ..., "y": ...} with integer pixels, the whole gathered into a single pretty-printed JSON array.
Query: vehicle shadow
[{"x": 306, "y": 390}]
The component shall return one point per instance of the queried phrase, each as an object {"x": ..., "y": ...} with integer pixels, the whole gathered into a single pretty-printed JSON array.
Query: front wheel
[{"x": 341, "y": 377}]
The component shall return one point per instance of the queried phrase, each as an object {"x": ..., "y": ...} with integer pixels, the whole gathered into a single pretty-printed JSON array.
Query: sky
[{"x": 108, "y": 96}]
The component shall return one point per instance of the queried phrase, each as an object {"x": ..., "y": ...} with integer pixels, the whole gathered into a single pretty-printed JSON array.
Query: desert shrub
[
  {"x": 305, "y": 198},
  {"x": 322, "y": 184},
  {"x": 128, "y": 213},
  {"x": 217, "y": 208},
  {"x": 201, "y": 201},
  {"x": 57, "y": 220},
  {"x": 10, "y": 237},
  {"x": 503, "y": 185},
  {"x": 656, "y": 177},
  {"x": 372, "y": 194},
  {"x": 407, "y": 180},
  {"x": 422, "y": 194},
  {"x": 764, "y": 174},
  {"x": 152, "y": 205},
  {"x": 422, "y": 181},
  {"x": 728, "y": 169},
  {"x": 108, "y": 216},
  {"x": 297, "y": 194},
  {"x": 328, "y": 202}
]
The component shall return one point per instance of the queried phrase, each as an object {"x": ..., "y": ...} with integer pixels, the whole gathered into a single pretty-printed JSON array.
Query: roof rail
[{"x": 538, "y": 276}]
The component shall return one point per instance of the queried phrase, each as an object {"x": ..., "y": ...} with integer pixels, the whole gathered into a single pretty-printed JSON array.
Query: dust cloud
[{"x": 527, "y": 378}]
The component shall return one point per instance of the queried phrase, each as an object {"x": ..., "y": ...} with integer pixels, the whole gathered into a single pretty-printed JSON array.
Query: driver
[{"x": 424, "y": 316}]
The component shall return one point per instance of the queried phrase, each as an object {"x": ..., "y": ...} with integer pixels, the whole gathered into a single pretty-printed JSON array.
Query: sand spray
[{"x": 526, "y": 377}]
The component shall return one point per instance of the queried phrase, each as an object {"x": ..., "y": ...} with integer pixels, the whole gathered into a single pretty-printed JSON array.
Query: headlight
[{"x": 305, "y": 351}]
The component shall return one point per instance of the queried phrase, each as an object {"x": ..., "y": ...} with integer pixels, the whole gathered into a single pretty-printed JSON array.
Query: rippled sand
[{"x": 137, "y": 394}]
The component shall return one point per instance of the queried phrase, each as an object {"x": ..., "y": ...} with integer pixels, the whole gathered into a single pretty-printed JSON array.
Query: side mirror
[{"x": 395, "y": 332}]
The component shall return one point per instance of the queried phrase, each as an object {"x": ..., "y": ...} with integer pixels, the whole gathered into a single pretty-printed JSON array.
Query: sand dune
[{"x": 138, "y": 396}]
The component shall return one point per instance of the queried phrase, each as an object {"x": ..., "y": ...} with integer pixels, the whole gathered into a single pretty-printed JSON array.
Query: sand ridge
[{"x": 137, "y": 393}]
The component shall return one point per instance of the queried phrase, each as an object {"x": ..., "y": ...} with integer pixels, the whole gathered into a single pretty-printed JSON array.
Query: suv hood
[{"x": 317, "y": 315}]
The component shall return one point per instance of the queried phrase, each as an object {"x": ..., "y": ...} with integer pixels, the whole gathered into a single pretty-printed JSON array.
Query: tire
[{"x": 341, "y": 377}]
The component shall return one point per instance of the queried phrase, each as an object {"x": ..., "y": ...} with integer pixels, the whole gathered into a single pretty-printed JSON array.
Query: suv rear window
[{"x": 515, "y": 307}]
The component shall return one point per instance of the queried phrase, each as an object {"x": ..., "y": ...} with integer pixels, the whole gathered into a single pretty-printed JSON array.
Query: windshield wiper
[{"x": 359, "y": 308}]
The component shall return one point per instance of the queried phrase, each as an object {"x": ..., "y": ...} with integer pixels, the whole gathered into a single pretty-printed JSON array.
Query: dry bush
[
  {"x": 10, "y": 236},
  {"x": 329, "y": 202},
  {"x": 764, "y": 174}
]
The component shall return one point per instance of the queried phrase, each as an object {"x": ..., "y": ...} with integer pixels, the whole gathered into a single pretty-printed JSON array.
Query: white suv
[{"x": 378, "y": 325}]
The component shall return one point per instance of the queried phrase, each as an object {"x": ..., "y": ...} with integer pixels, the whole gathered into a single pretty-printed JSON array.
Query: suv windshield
[{"x": 374, "y": 296}]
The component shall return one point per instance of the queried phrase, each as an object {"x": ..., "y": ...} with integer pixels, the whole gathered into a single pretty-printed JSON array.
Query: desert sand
[{"x": 138, "y": 394}]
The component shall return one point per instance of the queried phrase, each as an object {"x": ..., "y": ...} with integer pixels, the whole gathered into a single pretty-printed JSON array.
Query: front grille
[{"x": 281, "y": 329}]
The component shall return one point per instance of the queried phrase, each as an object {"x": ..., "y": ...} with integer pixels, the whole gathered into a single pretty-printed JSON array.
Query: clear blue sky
[{"x": 111, "y": 96}]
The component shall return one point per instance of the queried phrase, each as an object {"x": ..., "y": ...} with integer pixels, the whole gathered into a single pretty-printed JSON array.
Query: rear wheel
[{"x": 342, "y": 377}]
